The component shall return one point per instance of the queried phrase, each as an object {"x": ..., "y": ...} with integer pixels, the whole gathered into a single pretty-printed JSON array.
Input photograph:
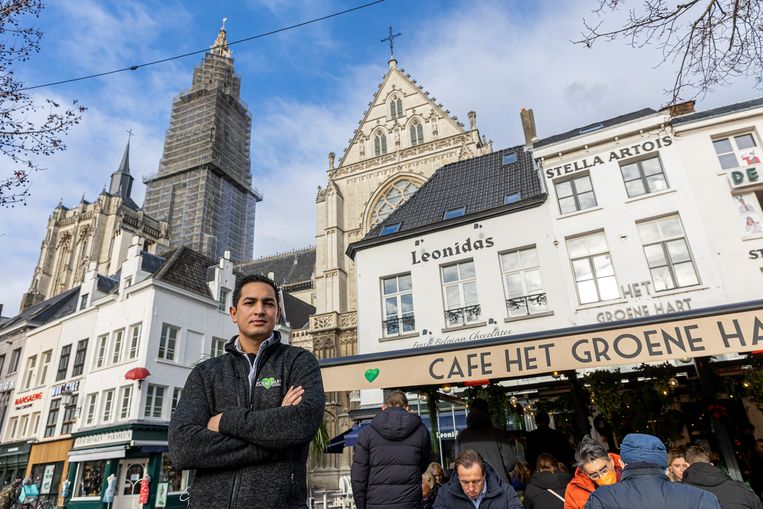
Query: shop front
[
  {"x": 128, "y": 466},
  {"x": 14, "y": 458},
  {"x": 48, "y": 464},
  {"x": 693, "y": 367}
]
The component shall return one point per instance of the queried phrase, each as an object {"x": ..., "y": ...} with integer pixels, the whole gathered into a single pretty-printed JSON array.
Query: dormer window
[
  {"x": 451, "y": 213},
  {"x": 380, "y": 144},
  {"x": 395, "y": 108},
  {"x": 417, "y": 133},
  {"x": 389, "y": 229}
]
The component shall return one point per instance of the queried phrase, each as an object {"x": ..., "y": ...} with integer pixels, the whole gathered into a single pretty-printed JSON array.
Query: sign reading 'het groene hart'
[{"x": 727, "y": 329}]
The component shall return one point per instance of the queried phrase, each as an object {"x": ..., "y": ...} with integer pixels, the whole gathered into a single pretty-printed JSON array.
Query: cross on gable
[{"x": 391, "y": 38}]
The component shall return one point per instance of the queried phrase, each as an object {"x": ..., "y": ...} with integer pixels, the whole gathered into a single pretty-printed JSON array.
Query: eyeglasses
[{"x": 599, "y": 473}]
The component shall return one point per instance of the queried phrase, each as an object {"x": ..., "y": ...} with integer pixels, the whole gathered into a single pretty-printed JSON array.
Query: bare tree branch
[
  {"x": 29, "y": 128},
  {"x": 713, "y": 41}
]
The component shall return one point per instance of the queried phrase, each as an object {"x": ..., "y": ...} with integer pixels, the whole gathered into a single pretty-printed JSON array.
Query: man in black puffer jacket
[
  {"x": 390, "y": 456},
  {"x": 703, "y": 474}
]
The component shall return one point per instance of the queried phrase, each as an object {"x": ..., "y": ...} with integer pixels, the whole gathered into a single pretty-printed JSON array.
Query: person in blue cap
[{"x": 644, "y": 482}]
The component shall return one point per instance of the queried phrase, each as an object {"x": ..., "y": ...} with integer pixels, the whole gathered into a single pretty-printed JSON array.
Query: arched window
[
  {"x": 417, "y": 133},
  {"x": 380, "y": 144},
  {"x": 392, "y": 199},
  {"x": 395, "y": 108}
]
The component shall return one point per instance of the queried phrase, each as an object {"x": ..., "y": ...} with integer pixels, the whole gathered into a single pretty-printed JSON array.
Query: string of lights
[{"x": 191, "y": 53}]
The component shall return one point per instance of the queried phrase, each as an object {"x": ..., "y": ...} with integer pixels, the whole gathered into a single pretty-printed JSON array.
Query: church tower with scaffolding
[{"x": 203, "y": 188}]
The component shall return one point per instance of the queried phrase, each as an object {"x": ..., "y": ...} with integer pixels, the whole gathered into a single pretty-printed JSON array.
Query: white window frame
[
  {"x": 573, "y": 181},
  {"x": 13, "y": 424},
  {"x": 133, "y": 344},
  {"x": 592, "y": 258},
  {"x": 404, "y": 323},
  {"x": 118, "y": 345},
  {"x": 101, "y": 353},
  {"x": 151, "y": 401},
  {"x": 417, "y": 133},
  {"x": 46, "y": 358},
  {"x": 164, "y": 342},
  {"x": 107, "y": 406},
  {"x": 91, "y": 405},
  {"x": 125, "y": 401},
  {"x": 735, "y": 150},
  {"x": 24, "y": 425},
  {"x": 661, "y": 245},
  {"x": 35, "y": 423},
  {"x": 30, "y": 372},
  {"x": 177, "y": 393},
  {"x": 647, "y": 181},
  {"x": 470, "y": 312},
  {"x": 218, "y": 347},
  {"x": 527, "y": 303}
]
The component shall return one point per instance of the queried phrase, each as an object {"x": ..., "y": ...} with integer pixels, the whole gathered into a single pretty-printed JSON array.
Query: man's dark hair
[
  {"x": 467, "y": 458},
  {"x": 542, "y": 418},
  {"x": 253, "y": 278},
  {"x": 396, "y": 399},
  {"x": 696, "y": 454}
]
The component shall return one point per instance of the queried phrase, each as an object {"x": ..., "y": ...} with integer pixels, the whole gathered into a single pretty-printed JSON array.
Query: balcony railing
[
  {"x": 400, "y": 325},
  {"x": 527, "y": 304},
  {"x": 462, "y": 316}
]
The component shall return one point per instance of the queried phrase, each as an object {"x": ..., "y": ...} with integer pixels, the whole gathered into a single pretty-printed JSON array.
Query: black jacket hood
[
  {"x": 704, "y": 474},
  {"x": 396, "y": 423},
  {"x": 550, "y": 481}
]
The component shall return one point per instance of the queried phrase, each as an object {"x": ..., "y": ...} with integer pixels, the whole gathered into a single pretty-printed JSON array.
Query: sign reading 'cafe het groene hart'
[{"x": 697, "y": 333}]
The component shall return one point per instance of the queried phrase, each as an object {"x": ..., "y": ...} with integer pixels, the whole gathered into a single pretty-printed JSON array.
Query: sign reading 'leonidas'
[{"x": 656, "y": 342}]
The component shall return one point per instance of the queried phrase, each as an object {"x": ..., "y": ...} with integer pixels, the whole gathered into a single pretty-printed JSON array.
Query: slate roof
[
  {"x": 292, "y": 270},
  {"x": 186, "y": 269},
  {"x": 611, "y": 122},
  {"x": 106, "y": 284},
  {"x": 51, "y": 309},
  {"x": 480, "y": 184},
  {"x": 715, "y": 112},
  {"x": 297, "y": 312}
]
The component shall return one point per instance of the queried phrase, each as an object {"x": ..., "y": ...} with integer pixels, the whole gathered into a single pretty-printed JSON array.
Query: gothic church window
[
  {"x": 395, "y": 196},
  {"x": 380, "y": 144},
  {"x": 395, "y": 108},
  {"x": 417, "y": 133}
]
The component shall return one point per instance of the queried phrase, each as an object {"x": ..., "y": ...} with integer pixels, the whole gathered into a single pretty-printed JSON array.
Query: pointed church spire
[
  {"x": 121, "y": 180},
  {"x": 220, "y": 46},
  {"x": 124, "y": 166}
]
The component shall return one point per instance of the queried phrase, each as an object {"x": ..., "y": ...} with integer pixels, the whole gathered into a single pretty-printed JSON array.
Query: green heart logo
[
  {"x": 268, "y": 382},
  {"x": 371, "y": 374}
]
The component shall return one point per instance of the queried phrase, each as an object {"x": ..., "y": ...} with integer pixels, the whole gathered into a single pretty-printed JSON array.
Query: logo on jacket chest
[{"x": 268, "y": 382}]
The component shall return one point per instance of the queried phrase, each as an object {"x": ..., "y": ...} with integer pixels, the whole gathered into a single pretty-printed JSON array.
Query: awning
[
  {"x": 101, "y": 453},
  {"x": 347, "y": 438},
  {"x": 733, "y": 328}
]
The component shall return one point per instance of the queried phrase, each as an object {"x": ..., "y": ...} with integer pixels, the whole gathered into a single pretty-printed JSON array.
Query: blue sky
[{"x": 308, "y": 88}]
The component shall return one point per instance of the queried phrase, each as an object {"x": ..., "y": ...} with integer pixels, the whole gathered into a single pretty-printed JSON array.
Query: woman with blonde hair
[
  {"x": 428, "y": 490},
  {"x": 437, "y": 472},
  {"x": 677, "y": 464}
]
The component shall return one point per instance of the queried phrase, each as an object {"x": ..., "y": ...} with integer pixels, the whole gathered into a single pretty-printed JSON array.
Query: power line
[{"x": 191, "y": 53}]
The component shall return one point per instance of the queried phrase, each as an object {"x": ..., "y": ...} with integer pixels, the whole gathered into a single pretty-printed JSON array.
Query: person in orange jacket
[{"x": 595, "y": 467}]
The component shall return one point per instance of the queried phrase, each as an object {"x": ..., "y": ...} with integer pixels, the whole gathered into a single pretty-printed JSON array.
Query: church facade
[
  {"x": 402, "y": 139},
  {"x": 97, "y": 232}
]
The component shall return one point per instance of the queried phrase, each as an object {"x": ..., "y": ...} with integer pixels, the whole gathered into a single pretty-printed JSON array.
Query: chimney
[
  {"x": 528, "y": 126},
  {"x": 683, "y": 108}
]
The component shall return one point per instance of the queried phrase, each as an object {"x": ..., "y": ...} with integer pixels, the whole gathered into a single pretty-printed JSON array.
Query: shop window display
[
  {"x": 177, "y": 480},
  {"x": 90, "y": 478}
]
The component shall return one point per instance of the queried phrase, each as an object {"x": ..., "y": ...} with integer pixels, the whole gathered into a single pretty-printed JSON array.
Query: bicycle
[{"x": 38, "y": 503}]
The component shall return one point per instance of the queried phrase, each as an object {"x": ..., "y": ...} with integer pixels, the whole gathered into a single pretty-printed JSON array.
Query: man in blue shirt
[{"x": 476, "y": 485}]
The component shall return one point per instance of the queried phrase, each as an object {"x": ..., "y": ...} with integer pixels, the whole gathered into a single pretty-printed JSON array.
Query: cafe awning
[{"x": 732, "y": 328}]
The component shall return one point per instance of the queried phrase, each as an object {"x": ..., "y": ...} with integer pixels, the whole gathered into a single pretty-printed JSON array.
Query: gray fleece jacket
[{"x": 259, "y": 457}]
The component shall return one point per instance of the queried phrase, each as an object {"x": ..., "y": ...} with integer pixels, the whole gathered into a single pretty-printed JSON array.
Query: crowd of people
[{"x": 391, "y": 469}]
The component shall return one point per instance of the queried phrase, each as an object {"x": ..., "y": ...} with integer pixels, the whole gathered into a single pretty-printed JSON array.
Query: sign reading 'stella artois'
[
  {"x": 533, "y": 354},
  {"x": 615, "y": 155}
]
